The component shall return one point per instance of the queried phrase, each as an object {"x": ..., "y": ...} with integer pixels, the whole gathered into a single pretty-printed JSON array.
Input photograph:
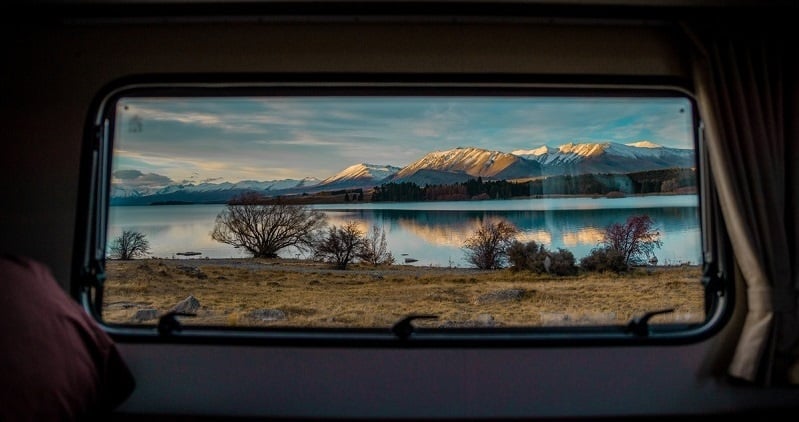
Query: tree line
[{"x": 644, "y": 182}]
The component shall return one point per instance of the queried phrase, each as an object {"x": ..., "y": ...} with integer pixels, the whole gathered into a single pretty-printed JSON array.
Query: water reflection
[
  {"x": 433, "y": 237},
  {"x": 436, "y": 237}
]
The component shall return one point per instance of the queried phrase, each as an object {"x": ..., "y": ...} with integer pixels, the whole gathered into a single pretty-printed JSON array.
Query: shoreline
[{"x": 321, "y": 201}]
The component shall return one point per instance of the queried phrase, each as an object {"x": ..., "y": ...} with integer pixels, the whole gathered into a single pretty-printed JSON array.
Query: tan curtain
[{"x": 745, "y": 78}]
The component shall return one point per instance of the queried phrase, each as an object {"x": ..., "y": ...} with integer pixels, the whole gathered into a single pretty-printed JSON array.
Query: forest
[{"x": 674, "y": 180}]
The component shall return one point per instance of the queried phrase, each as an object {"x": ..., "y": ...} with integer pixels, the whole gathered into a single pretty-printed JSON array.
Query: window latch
[
  {"x": 404, "y": 327},
  {"x": 168, "y": 324},
  {"x": 639, "y": 325}
]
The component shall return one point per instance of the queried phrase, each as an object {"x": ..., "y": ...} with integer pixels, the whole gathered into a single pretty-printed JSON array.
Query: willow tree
[{"x": 264, "y": 227}]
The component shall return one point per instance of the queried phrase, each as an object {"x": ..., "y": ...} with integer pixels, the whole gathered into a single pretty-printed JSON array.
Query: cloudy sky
[{"x": 234, "y": 139}]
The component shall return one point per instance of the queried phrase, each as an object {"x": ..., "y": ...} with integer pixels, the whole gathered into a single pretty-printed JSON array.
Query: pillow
[{"x": 56, "y": 362}]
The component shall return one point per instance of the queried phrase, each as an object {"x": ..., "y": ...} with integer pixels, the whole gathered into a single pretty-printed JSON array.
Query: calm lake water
[{"x": 433, "y": 232}]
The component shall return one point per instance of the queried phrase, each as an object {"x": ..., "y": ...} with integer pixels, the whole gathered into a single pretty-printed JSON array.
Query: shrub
[
  {"x": 534, "y": 257},
  {"x": 604, "y": 259},
  {"x": 521, "y": 256},
  {"x": 563, "y": 263}
]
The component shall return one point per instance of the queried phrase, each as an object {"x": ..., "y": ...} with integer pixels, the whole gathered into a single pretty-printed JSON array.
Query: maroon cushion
[{"x": 57, "y": 363}]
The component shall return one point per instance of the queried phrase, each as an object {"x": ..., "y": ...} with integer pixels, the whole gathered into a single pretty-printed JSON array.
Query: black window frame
[{"x": 91, "y": 226}]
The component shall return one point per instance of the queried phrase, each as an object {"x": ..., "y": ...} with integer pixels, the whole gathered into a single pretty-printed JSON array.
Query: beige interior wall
[{"x": 55, "y": 69}]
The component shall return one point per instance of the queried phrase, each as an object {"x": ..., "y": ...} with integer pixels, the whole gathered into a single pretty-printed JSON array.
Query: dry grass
[{"x": 314, "y": 295}]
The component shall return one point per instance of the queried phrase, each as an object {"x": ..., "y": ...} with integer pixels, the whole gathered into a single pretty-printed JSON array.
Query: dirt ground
[{"x": 299, "y": 293}]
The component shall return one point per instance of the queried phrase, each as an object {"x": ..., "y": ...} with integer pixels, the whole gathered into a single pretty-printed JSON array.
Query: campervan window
[{"x": 365, "y": 210}]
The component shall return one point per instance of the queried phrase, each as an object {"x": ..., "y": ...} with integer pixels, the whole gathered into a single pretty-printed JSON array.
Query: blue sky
[{"x": 234, "y": 139}]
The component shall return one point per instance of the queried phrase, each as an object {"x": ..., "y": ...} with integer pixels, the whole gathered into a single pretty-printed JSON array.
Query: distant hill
[
  {"x": 434, "y": 168},
  {"x": 608, "y": 157},
  {"x": 461, "y": 164},
  {"x": 358, "y": 175}
]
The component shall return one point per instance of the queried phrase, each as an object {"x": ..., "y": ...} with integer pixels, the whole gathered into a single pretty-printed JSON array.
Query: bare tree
[
  {"x": 130, "y": 245},
  {"x": 635, "y": 240},
  {"x": 487, "y": 247},
  {"x": 263, "y": 228},
  {"x": 341, "y": 245},
  {"x": 375, "y": 249}
]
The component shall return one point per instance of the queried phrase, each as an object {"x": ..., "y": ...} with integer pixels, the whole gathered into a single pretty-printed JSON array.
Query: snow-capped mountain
[
  {"x": 460, "y": 164},
  {"x": 129, "y": 191},
  {"x": 607, "y": 157},
  {"x": 362, "y": 174},
  {"x": 203, "y": 192},
  {"x": 438, "y": 167},
  {"x": 274, "y": 185}
]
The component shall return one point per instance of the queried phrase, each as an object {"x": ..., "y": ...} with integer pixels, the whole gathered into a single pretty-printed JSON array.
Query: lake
[{"x": 433, "y": 232}]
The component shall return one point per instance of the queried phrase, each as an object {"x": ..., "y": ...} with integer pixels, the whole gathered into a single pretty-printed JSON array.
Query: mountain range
[{"x": 437, "y": 167}]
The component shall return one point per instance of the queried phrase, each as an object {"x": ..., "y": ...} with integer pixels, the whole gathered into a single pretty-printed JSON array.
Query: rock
[
  {"x": 506, "y": 295},
  {"x": 188, "y": 305},
  {"x": 192, "y": 271},
  {"x": 485, "y": 320},
  {"x": 267, "y": 315},
  {"x": 145, "y": 314}
]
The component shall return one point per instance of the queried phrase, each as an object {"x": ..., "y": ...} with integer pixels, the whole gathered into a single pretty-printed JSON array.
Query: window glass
[{"x": 355, "y": 211}]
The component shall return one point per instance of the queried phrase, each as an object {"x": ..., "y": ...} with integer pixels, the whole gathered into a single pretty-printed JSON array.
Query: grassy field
[{"x": 280, "y": 292}]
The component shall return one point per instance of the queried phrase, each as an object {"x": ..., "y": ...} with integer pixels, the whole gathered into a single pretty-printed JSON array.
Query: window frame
[{"x": 94, "y": 202}]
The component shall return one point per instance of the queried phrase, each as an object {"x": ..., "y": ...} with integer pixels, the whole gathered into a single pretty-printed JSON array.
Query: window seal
[{"x": 91, "y": 227}]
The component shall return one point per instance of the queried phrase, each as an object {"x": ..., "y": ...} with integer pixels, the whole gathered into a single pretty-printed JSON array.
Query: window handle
[
  {"x": 168, "y": 324},
  {"x": 404, "y": 327},
  {"x": 639, "y": 325}
]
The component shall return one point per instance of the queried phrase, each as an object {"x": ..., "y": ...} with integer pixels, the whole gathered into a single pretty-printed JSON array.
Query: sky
[{"x": 193, "y": 140}]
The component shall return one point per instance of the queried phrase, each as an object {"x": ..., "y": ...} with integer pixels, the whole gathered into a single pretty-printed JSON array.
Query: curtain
[{"x": 745, "y": 79}]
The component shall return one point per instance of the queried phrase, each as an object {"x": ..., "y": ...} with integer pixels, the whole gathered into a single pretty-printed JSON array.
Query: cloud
[
  {"x": 271, "y": 138},
  {"x": 135, "y": 178},
  {"x": 127, "y": 174}
]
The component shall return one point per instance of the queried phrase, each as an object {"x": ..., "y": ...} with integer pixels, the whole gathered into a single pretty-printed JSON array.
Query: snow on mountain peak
[
  {"x": 470, "y": 160},
  {"x": 573, "y": 153},
  {"x": 644, "y": 144},
  {"x": 362, "y": 171},
  {"x": 584, "y": 150},
  {"x": 535, "y": 152}
]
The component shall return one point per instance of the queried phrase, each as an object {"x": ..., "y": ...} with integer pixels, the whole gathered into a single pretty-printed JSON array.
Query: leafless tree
[
  {"x": 487, "y": 247},
  {"x": 341, "y": 245},
  {"x": 130, "y": 245},
  {"x": 264, "y": 227},
  {"x": 635, "y": 240},
  {"x": 375, "y": 249}
]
